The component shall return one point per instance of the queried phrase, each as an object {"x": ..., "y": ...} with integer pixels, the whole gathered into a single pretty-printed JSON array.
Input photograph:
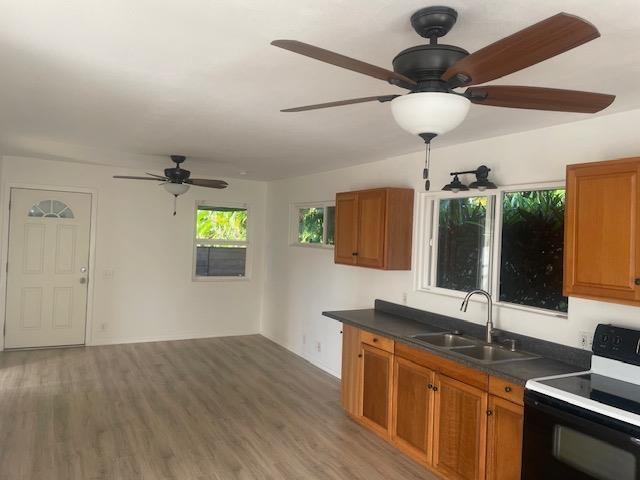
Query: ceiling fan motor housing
[{"x": 427, "y": 62}]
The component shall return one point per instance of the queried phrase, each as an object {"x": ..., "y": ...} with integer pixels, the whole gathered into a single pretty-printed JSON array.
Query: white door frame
[{"x": 4, "y": 249}]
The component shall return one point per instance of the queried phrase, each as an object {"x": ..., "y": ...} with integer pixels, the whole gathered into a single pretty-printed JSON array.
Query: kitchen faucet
[{"x": 465, "y": 304}]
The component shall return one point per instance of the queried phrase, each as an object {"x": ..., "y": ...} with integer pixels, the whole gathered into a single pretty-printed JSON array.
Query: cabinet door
[
  {"x": 602, "y": 232},
  {"x": 350, "y": 376},
  {"x": 346, "y": 231},
  {"x": 460, "y": 429},
  {"x": 375, "y": 405},
  {"x": 412, "y": 409},
  {"x": 371, "y": 228},
  {"x": 504, "y": 440}
]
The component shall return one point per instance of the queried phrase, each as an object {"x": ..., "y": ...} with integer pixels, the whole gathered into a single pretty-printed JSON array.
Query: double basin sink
[{"x": 471, "y": 348}]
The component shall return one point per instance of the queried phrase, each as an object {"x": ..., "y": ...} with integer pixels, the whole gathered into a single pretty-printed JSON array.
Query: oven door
[{"x": 562, "y": 441}]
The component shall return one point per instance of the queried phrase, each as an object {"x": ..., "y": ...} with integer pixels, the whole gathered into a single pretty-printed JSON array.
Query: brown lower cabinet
[
  {"x": 456, "y": 421},
  {"x": 375, "y": 405},
  {"x": 413, "y": 409},
  {"x": 460, "y": 426},
  {"x": 504, "y": 452}
]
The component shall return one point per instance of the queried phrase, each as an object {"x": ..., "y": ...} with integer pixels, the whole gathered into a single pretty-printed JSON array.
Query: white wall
[
  {"x": 303, "y": 282},
  {"x": 151, "y": 295}
]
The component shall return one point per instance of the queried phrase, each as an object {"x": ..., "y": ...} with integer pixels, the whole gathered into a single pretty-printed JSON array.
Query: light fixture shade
[
  {"x": 176, "y": 188},
  {"x": 430, "y": 112}
]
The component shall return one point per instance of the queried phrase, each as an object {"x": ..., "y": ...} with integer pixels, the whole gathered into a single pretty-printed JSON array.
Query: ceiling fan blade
[
  {"x": 343, "y": 61},
  {"x": 536, "y": 43},
  {"x": 139, "y": 178},
  {"x": 536, "y": 98},
  {"x": 162, "y": 177},
  {"x": 385, "y": 98},
  {"x": 205, "y": 182}
]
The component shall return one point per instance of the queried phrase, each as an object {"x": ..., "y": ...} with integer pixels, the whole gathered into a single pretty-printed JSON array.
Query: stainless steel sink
[
  {"x": 445, "y": 340},
  {"x": 492, "y": 353}
]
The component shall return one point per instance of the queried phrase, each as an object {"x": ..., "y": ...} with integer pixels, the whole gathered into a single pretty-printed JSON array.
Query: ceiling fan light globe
[
  {"x": 429, "y": 112},
  {"x": 176, "y": 188}
]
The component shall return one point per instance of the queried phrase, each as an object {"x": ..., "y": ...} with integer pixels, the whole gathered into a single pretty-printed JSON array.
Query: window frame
[
  {"x": 427, "y": 239},
  {"x": 247, "y": 243},
  {"x": 294, "y": 220}
]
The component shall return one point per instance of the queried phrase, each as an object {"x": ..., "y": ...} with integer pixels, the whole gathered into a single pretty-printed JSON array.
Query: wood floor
[{"x": 223, "y": 409}]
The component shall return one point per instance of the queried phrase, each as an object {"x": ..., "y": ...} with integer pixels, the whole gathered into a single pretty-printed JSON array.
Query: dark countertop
[{"x": 399, "y": 323}]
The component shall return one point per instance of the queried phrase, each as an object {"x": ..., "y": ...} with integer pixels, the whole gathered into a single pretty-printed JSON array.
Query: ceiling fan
[
  {"x": 433, "y": 71},
  {"x": 177, "y": 180}
]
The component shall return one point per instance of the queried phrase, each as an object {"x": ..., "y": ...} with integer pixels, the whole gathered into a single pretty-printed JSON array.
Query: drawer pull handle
[
  {"x": 375, "y": 339},
  {"x": 359, "y": 355},
  {"x": 507, "y": 389}
]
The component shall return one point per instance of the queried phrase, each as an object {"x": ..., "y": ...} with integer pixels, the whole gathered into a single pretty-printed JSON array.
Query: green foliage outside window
[
  {"x": 532, "y": 249},
  {"x": 310, "y": 225},
  {"x": 222, "y": 223},
  {"x": 461, "y": 240}
]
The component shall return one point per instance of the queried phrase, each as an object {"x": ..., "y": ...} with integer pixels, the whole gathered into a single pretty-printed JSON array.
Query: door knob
[{"x": 83, "y": 270}]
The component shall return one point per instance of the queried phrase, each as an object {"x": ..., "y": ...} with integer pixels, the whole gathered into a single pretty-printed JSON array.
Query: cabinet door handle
[
  {"x": 637, "y": 281},
  {"x": 435, "y": 389},
  {"x": 430, "y": 386},
  {"x": 355, "y": 254},
  {"x": 507, "y": 389},
  {"x": 489, "y": 413},
  {"x": 359, "y": 355}
]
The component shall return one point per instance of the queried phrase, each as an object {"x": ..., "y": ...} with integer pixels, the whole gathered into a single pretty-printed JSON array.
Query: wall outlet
[
  {"x": 585, "y": 340},
  {"x": 318, "y": 347}
]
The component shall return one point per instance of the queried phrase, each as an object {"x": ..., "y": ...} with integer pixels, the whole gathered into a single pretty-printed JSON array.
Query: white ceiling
[{"x": 121, "y": 80}]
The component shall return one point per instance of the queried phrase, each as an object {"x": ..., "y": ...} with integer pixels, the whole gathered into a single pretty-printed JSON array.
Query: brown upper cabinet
[
  {"x": 602, "y": 231},
  {"x": 374, "y": 228}
]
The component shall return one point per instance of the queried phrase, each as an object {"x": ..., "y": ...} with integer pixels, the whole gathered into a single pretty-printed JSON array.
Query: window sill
[
  {"x": 511, "y": 306},
  {"x": 198, "y": 279},
  {"x": 317, "y": 246}
]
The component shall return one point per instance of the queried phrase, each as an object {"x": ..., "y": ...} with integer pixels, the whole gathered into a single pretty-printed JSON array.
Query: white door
[{"x": 48, "y": 268}]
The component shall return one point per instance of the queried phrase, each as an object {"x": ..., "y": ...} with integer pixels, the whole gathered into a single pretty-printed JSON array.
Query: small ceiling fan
[
  {"x": 432, "y": 71},
  {"x": 177, "y": 180}
]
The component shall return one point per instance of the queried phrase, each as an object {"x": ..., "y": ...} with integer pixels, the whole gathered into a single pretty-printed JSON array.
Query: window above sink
[{"x": 508, "y": 241}]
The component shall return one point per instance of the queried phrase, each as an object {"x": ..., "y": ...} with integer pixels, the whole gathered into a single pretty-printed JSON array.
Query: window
[
  {"x": 50, "y": 208},
  {"x": 464, "y": 243},
  {"x": 532, "y": 247},
  {"x": 508, "y": 241},
  {"x": 314, "y": 224},
  {"x": 221, "y": 241}
]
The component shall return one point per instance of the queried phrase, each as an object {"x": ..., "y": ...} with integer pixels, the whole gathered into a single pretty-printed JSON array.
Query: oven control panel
[{"x": 617, "y": 343}]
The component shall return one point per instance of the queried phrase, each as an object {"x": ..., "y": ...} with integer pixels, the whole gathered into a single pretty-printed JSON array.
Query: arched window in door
[{"x": 51, "y": 208}]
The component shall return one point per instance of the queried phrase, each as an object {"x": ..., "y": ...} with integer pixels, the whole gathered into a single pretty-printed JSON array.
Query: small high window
[
  {"x": 50, "y": 208},
  {"x": 221, "y": 241},
  {"x": 314, "y": 224}
]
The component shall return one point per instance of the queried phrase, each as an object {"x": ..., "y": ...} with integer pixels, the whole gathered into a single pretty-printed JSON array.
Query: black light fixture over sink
[{"x": 482, "y": 182}]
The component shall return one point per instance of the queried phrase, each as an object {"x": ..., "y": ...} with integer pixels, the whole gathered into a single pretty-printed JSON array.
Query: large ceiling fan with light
[{"x": 432, "y": 72}]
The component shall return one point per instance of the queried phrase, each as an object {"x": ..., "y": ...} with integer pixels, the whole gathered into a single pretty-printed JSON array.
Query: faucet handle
[{"x": 511, "y": 343}]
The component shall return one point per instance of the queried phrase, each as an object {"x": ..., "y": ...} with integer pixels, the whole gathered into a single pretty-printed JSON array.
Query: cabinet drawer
[
  {"x": 507, "y": 390},
  {"x": 378, "y": 341}
]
